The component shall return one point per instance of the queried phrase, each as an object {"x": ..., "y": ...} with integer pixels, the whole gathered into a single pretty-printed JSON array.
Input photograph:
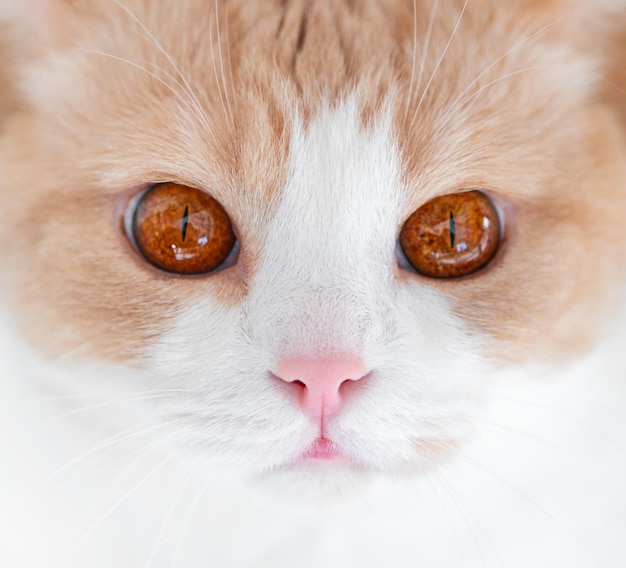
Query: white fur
[{"x": 198, "y": 479}]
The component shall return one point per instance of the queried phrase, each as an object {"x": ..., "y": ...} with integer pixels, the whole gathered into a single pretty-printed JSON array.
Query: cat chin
[
  {"x": 316, "y": 481},
  {"x": 313, "y": 481}
]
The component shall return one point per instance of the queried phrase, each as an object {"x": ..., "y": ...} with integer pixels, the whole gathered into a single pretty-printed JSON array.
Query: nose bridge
[
  {"x": 319, "y": 290},
  {"x": 328, "y": 248},
  {"x": 338, "y": 211},
  {"x": 317, "y": 320}
]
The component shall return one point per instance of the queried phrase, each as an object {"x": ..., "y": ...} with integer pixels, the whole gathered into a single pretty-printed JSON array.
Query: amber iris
[
  {"x": 182, "y": 230},
  {"x": 452, "y": 235}
]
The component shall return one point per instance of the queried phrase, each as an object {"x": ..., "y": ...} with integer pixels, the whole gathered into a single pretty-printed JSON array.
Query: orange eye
[
  {"x": 452, "y": 236},
  {"x": 181, "y": 229}
]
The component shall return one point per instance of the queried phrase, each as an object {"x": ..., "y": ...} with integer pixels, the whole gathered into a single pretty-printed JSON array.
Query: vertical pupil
[
  {"x": 452, "y": 230},
  {"x": 185, "y": 222}
]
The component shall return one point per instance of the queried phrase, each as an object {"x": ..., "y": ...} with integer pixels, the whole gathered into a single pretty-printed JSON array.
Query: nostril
[
  {"x": 322, "y": 383},
  {"x": 295, "y": 390},
  {"x": 350, "y": 386}
]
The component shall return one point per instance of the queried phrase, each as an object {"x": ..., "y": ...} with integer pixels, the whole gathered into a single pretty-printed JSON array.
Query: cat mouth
[{"x": 323, "y": 450}]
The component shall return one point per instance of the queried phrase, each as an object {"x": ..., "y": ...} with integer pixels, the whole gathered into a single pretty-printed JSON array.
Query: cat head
[{"x": 330, "y": 136}]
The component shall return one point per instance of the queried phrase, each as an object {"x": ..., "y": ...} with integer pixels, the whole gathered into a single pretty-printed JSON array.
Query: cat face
[{"x": 320, "y": 129}]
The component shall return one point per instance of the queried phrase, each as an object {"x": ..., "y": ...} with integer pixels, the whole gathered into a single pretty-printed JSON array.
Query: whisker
[
  {"x": 452, "y": 113},
  {"x": 455, "y": 106},
  {"x": 219, "y": 48},
  {"x": 469, "y": 519},
  {"x": 188, "y": 89},
  {"x": 502, "y": 78},
  {"x": 167, "y": 519},
  {"x": 529, "y": 436},
  {"x": 427, "y": 40},
  {"x": 111, "y": 442},
  {"x": 617, "y": 87},
  {"x": 135, "y": 456},
  {"x": 72, "y": 397},
  {"x": 444, "y": 509},
  {"x": 413, "y": 61},
  {"x": 558, "y": 411},
  {"x": 115, "y": 505},
  {"x": 575, "y": 538},
  {"x": 192, "y": 106},
  {"x": 152, "y": 513},
  {"x": 438, "y": 64},
  {"x": 188, "y": 517},
  {"x": 508, "y": 52},
  {"x": 220, "y": 85},
  {"x": 228, "y": 56},
  {"x": 94, "y": 407},
  {"x": 580, "y": 460}
]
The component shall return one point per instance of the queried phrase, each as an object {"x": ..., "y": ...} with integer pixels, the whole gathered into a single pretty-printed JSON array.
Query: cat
[{"x": 312, "y": 283}]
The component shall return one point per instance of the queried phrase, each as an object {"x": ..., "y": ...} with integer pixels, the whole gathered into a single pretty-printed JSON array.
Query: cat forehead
[{"x": 209, "y": 95}]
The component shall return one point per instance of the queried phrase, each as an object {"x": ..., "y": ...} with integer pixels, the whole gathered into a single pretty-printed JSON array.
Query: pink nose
[{"x": 321, "y": 381}]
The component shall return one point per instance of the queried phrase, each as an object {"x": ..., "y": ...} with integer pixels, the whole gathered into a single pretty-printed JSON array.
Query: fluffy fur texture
[{"x": 140, "y": 422}]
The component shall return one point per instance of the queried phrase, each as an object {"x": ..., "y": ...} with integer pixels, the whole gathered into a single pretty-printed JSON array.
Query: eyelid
[{"x": 130, "y": 207}]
